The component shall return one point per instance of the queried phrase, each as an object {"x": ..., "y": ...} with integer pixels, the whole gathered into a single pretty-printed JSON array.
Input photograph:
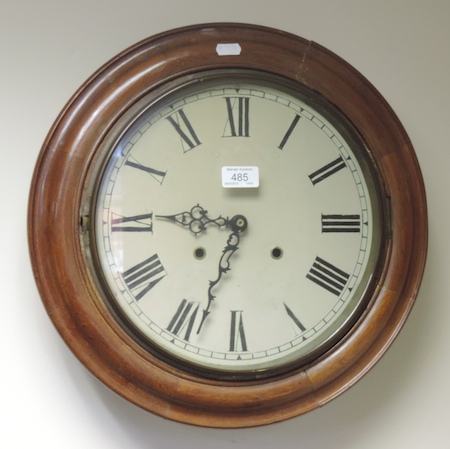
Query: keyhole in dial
[
  {"x": 199, "y": 253},
  {"x": 277, "y": 253}
]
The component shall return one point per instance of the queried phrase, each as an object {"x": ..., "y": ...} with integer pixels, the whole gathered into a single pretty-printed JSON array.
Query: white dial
[{"x": 249, "y": 277}]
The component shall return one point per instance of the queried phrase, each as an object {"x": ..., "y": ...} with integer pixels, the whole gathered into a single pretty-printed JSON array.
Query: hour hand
[
  {"x": 196, "y": 220},
  {"x": 237, "y": 224}
]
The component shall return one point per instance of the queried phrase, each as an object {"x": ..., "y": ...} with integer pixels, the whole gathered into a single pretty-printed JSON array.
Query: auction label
[{"x": 240, "y": 177}]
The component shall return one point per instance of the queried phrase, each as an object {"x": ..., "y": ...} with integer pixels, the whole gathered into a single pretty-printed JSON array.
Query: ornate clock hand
[
  {"x": 238, "y": 224},
  {"x": 196, "y": 219}
]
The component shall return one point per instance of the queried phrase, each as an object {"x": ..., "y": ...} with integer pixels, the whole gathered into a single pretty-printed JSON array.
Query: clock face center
[{"x": 239, "y": 223}]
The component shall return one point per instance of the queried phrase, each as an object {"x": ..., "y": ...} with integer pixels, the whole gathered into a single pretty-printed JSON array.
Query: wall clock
[{"x": 227, "y": 225}]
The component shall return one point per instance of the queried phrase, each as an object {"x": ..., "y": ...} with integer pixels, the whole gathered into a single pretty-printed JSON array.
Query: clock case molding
[{"x": 58, "y": 223}]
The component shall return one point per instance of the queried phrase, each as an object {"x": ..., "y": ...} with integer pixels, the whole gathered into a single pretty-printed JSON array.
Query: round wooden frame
[{"x": 57, "y": 226}]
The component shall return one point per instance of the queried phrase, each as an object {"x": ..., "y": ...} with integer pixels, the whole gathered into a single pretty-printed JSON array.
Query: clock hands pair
[{"x": 196, "y": 220}]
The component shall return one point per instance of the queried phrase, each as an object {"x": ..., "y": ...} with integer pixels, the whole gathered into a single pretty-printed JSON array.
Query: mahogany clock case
[{"x": 59, "y": 226}]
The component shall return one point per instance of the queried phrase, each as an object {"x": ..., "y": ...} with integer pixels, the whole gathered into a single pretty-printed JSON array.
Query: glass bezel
[{"x": 130, "y": 120}]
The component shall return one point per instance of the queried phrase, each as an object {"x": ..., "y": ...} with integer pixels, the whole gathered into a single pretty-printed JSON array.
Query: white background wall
[{"x": 47, "y": 49}]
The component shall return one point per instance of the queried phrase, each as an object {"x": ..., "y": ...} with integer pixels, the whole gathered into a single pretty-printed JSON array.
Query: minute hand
[{"x": 238, "y": 224}]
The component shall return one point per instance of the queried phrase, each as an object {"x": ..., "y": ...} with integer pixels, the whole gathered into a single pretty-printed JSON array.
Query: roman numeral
[
  {"x": 155, "y": 174},
  {"x": 183, "y": 321},
  {"x": 183, "y": 127},
  {"x": 238, "y": 117},
  {"x": 327, "y": 170},
  {"x": 237, "y": 333},
  {"x": 289, "y": 132},
  {"x": 137, "y": 223},
  {"x": 141, "y": 278},
  {"x": 328, "y": 276},
  {"x": 341, "y": 223},
  {"x": 294, "y": 318}
]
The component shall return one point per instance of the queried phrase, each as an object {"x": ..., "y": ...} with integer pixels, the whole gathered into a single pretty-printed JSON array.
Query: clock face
[{"x": 236, "y": 224}]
